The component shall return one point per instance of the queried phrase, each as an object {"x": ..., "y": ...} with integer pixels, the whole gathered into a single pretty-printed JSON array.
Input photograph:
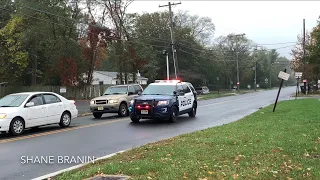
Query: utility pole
[
  {"x": 255, "y": 76},
  {"x": 167, "y": 61},
  {"x": 270, "y": 66},
  {"x": 237, "y": 56},
  {"x": 304, "y": 56},
  {"x": 172, "y": 35}
]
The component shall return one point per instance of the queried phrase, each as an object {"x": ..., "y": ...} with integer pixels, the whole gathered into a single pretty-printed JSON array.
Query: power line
[{"x": 172, "y": 36}]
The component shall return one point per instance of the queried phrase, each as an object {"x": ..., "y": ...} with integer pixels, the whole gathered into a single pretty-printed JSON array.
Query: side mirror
[
  {"x": 30, "y": 104},
  {"x": 139, "y": 93},
  {"x": 174, "y": 92}
]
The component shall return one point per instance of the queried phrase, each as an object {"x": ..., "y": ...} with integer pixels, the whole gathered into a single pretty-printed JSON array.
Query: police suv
[{"x": 164, "y": 99}]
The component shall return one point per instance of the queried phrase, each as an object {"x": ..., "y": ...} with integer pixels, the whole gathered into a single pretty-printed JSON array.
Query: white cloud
[{"x": 265, "y": 22}]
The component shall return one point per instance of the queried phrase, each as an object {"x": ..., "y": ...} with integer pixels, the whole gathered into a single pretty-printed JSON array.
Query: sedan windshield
[
  {"x": 116, "y": 90},
  {"x": 12, "y": 100},
  {"x": 166, "y": 89}
]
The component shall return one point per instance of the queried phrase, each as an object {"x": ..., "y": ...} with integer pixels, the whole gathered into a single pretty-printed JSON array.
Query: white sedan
[{"x": 33, "y": 109}]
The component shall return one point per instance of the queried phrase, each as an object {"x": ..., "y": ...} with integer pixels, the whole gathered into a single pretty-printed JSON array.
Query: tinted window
[
  {"x": 165, "y": 89},
  {"x": 192, "y": 88},
  {"x": 137, "y": 88},
  {"x": 37, "y": 100},
  {"x": 131, "y": 89},
  {"x": 12, "y": 100},
  {"x": 116, "y": 90},
  {"x": 186, "y": 88},
  {"x": 49, "y": 98},
  {"x": 179, "y": 88}
]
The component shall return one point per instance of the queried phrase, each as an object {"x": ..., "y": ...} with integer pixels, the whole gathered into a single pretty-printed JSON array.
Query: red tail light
[{"x": 147, "y": 107}]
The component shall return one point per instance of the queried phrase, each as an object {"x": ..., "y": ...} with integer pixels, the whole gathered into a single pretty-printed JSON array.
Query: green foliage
[
  {"x": 39, "y": 33},
  {"x": 14, "y": 58}
]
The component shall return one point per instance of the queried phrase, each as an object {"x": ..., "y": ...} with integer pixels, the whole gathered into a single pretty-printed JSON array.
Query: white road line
[{"x": 75, "y": 167}]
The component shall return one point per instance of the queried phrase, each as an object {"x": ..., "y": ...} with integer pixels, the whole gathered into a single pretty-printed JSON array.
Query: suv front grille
[{"x": 101, "y": 101}]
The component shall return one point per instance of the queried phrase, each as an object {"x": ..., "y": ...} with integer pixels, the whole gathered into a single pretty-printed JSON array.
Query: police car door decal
[
  {"x": 189, "y": 97},
  {"x": 181, "y": 99}
]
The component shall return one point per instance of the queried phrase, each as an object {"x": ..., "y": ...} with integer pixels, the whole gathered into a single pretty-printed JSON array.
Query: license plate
[
  {"x": 100, "y": 108},
  {"x": 144, "y": 111}
]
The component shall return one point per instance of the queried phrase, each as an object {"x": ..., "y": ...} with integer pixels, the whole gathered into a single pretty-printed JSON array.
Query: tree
[
  {"x": 14, "y": 58},
  {"x": 202, "y": 28}
]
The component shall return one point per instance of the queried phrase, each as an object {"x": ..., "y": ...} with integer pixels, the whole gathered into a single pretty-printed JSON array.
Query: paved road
[{"x": 89, "y": 137}]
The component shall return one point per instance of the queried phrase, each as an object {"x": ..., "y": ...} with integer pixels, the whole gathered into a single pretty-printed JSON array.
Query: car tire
[
  {"x": 174, "y": 114},
  {"x": 65, "y": 120},
  {"x": 123, "y": 110},
  {"x": 17, "y": 126},
  {"x": 193, "y": 111},
  {"x": 97, "y": 115}
]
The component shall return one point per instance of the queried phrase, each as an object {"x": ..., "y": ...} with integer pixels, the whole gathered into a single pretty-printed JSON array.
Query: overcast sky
[{"x": 265, "y": 22}]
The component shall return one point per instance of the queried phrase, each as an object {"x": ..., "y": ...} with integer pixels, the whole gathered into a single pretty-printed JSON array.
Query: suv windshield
[
  {"x": 12, "y": 100},
  {"x": 116, "y": 90},
  {"x": 159, "y": 89}
]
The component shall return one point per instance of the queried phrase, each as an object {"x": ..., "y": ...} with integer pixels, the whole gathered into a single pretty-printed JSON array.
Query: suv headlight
[
  {"x": 92, "y": 102},
  {"x": 112, "y": 101},
  {"x": 2, "y": 116},
  {"x": 161, "y": 103}
]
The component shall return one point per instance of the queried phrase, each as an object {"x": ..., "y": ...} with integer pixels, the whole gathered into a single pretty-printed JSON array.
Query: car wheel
[
  {"x": 17, "y": 126},
  {"x": 174, "y": 114},
  {"x": 97, "y": 115},
  {"x": 65, "y": 119},
  {"x": 123, "y": 110},
  {"x": 193, "y": 111}
]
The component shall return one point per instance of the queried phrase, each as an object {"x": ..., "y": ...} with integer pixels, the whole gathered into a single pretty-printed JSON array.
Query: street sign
[
  {"x": 298, "y": 75},
  {"x": 266, "y": 80},
  {"x": 283, "y": 75},
  {"x": 63, "y": 89}
]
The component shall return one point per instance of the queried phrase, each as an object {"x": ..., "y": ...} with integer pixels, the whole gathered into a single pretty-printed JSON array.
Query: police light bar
[{"x": 167, "y": 81}]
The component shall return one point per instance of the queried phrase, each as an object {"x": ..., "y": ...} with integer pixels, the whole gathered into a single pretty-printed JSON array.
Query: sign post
[
  {"x": 298, "y": 76},
  {"x": 284, "y": 76}
]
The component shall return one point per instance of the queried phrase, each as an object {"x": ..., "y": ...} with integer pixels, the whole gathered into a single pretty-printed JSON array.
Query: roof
[
  {"x": 119, "y": 85},
  {"x": 29, "y": 93}
]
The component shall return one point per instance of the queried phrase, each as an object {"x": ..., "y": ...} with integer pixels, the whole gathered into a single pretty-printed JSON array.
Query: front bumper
[
  {"x": 5, "y": 124},
  {"x": 157, "y": 112},
  {"x": 105, "y": 108}
]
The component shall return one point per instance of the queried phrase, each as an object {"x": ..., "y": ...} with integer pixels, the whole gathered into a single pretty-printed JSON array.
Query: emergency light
[{"x": 167, "y": 81}]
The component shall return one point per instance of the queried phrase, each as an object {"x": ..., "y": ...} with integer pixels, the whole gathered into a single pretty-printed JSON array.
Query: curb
[{"x": 48, "y": 176}]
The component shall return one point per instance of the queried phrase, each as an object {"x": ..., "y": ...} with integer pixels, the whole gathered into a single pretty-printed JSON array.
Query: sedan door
[
  {"x": 37, "y": 114},
  {"x": 55, "y": 108}
]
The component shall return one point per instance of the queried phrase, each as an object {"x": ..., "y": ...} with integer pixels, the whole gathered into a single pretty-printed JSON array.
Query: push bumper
[
  {"x": 105, "y": 108},
  {"x": 154, "y": 113},
  {"x": 5, "y": 124}
]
